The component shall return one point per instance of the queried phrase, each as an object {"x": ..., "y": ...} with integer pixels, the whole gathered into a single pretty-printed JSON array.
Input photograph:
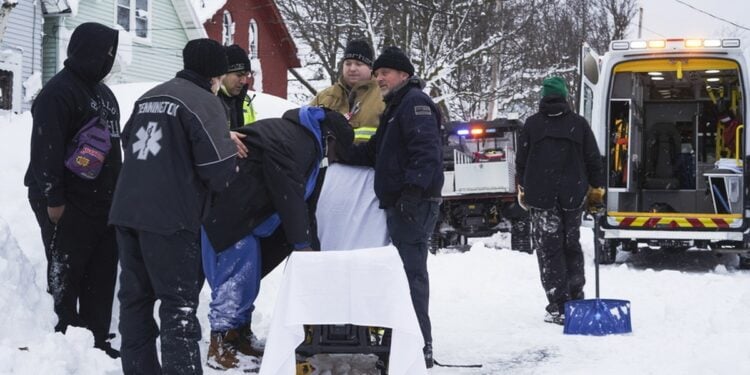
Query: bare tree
[{"x": 477, "y": 57}]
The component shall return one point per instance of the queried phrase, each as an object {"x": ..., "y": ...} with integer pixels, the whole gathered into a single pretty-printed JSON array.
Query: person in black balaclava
[{"x": 72, "y": 210}]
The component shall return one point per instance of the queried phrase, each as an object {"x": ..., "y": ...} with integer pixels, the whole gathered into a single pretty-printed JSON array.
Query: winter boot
[
  {"x": 554, "y": 315},
  {"x": 427, "y": 350},
  {"x": 222, "y": 354},
  {"x": 106, "y": 347},
  {"x": 250, "y": 344}
]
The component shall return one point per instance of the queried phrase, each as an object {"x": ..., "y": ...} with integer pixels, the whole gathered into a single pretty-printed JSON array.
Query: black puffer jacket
[
  {"x": 271, "y": 179},
  {"x": 557, "y": 157},
  {"x": 67, "y": 101}
]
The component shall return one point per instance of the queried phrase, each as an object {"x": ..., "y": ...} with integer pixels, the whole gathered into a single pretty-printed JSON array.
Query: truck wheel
[
  {"x": 520, "y": 236},
  {"x": 606, "y": 250},
  {"x": 744, "y": 262}
]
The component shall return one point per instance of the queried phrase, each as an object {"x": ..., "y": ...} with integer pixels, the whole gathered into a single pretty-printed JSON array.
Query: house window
[
  {"x": 133, "y": 16},
  {"x": 55, "y": 7},
  {"x": 6, "y": 89},
  {"x": 252, "y": 39},
  {"x": 227, "y": 30}
]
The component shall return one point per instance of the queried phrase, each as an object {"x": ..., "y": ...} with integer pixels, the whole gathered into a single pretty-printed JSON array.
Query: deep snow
[{"x": 690, "y": 312}]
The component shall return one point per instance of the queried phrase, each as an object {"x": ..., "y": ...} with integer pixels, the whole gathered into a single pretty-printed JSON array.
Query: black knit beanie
[
  {"x": 237, "y": 59},
  {"x": 394, "y": 58},
  {"x": 359, "y": 49},
  {"x": 205, "y": 57}
]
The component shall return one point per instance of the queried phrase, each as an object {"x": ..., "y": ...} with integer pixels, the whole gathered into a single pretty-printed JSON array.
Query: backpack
[{"x": 88, "y": 149}]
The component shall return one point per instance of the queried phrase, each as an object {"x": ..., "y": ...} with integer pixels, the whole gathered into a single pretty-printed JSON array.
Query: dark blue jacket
[{"x": 406, "y": 150}]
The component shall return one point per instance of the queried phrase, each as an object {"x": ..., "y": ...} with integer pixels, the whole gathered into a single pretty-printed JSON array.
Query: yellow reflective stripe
[
  {"x": 708, "y": 223},
  {"x": 364, "y": 132},
  {"x": 638, "y": 222}
]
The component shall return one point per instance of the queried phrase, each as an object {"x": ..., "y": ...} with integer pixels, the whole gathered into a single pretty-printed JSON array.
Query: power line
[{"x": 713, "y": 15}]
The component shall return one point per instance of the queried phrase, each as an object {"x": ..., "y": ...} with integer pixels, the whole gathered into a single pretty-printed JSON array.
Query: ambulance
[{"x": 668, "y": 116}]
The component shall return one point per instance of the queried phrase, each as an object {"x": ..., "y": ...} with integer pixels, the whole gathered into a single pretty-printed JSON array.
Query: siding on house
[
  {"x": 157, "y": 59},
  {"x": 23, "y": 34}
]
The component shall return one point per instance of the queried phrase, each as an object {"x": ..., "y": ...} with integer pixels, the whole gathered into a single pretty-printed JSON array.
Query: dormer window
[{"x": 134, "y": 16}]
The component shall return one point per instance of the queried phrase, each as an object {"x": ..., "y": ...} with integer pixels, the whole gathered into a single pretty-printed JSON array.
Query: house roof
[
  {"x": 290, "y": 48},
  {"x": 189, "y": 19}
]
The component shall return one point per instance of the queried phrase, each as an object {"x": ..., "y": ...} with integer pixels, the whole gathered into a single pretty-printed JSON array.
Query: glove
[
  {"x": 595, "y": 199},
  {"x": 522, "y": 198},
  {"x": 408, "y": 202}
]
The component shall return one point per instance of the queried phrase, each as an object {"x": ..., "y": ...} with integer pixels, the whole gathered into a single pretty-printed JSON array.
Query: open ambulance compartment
[{"x": 675, "y": 141}]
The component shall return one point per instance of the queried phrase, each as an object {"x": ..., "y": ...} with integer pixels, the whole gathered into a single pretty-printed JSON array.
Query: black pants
[
  {"x": 167, "y": 268},
  {"x": 412, "y": 241},
  {"x": 81, "y": 268},
  {"x": 556, "y": 234}
]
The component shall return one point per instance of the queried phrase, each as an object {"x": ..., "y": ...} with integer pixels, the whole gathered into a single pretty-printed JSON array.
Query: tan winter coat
[{"x": 371, "y": 105}]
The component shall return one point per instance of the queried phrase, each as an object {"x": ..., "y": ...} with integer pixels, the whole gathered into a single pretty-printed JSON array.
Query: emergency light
[{"x": 622, "y": 45}]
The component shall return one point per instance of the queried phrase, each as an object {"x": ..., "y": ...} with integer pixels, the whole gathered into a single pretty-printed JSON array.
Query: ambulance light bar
[{"x": 622, "y": 45}]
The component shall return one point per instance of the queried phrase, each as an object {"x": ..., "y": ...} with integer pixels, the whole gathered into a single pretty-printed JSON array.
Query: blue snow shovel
[{"x": 597, "y": 317}]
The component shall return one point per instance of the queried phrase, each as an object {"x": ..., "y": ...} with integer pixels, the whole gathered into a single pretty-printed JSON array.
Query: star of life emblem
[{"x": 148, "y": 141}]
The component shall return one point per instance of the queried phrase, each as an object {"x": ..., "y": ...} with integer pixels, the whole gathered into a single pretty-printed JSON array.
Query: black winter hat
[
  {"x": 205, "y": 57},
  {"x": 336, "y": 124},
  {"x": 237, "y": 59},
  {"x": 394, "y": 58},
  {"x": 359, "y": 49}
]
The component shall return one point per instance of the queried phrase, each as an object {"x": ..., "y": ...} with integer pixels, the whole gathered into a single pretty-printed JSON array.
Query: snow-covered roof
[{"x": 205, "y": 9}]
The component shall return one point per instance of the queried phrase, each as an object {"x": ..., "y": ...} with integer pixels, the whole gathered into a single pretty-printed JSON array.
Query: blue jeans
[{"x": 234, "y": 277}]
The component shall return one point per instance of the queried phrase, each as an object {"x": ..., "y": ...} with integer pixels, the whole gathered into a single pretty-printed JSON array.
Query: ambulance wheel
[
  {"x": 606, "y": 250},
  {"x": 520, "y": 236}
]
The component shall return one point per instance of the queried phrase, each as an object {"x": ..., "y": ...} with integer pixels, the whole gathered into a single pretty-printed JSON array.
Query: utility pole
[{"x": 640, "y": 21}]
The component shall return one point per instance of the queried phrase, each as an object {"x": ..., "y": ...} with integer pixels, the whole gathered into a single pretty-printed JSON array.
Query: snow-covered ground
[{"x": 690, "y": 312}]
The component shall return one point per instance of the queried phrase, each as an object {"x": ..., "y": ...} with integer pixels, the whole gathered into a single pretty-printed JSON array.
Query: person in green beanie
[{"x": 557, "y": 165}]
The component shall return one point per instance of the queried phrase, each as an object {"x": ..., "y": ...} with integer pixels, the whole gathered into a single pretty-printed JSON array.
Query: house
[
  {"x": 20, "y": 53},
  {"x": 152, "y": 35},
  {"x": 257, "y": 26}
]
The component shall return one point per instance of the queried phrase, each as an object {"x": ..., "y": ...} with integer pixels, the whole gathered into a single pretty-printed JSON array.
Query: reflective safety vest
[{"x": 248, "y": 111}]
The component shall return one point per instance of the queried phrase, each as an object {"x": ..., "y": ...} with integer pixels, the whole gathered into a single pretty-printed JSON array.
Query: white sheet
[
  {"x": 366, "y": 287},
  {"x": 348, "y": 214}
]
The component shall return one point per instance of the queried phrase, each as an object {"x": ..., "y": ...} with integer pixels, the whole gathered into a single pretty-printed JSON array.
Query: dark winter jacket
[
  {"x": 557, "y": 157},
  {"x": 283, "y": 154},
  {"x": 68, "y": 101},
  {"x": 177, "y": 151},
  {"x": 406, "y": 150}
]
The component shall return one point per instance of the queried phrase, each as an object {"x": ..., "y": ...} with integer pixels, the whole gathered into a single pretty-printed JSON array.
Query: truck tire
[
  {"x": 520, "y": 235},
  {"x": 606, "y": 250},
  {"x": 744, "y": 262}
]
